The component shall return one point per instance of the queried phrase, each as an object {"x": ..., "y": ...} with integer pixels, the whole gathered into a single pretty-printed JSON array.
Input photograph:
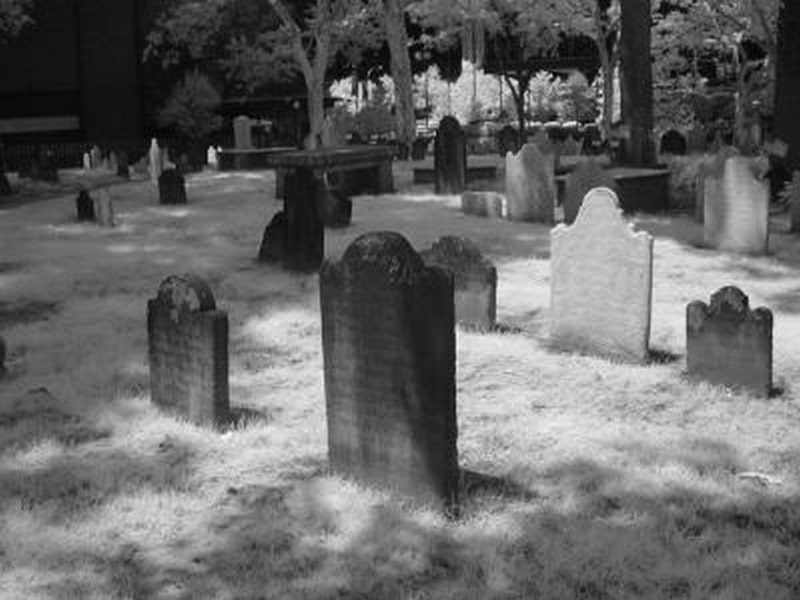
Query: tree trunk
[
  {"x": 787, "y": 82},
  {"x": 637, "y": 81},
  {"x": 316, "y": 112},
  {"x": 397, "y": 38}
]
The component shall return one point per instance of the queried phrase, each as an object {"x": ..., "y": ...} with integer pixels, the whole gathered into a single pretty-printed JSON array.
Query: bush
[{"x": 191, "y": 108}]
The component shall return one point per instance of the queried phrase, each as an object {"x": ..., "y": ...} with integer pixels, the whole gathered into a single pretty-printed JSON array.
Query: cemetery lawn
[{"x": 581, "y": 478}]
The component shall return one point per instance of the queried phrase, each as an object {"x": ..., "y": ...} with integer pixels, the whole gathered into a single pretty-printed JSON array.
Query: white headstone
[
  {"x": 212, "y": 158},
  {"x": 87, "y": 161},
  {"x": 96, "y": 156},
  {"x": 736, "y": 208},
  {"x": 154, "y": 162},
  {"x": 530, "y": 185},
  {"x": 601, "y": 281},
  {"x": 242, "y": 134}
]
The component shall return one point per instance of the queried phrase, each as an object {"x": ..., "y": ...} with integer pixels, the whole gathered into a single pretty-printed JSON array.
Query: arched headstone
[
  {"x": 530, "y": 185},
  {"x": 588, "y": 174},
  {"x": 388, "y": 344},
  {"x": 242, "y": 132},
  {"x": 450, "y": 157},
  {"x": 673, "y": 142},
  {"x": 188, "y": 350},
  {"x": 171, "y": 187},
  {"x": 507, "y": 140}
]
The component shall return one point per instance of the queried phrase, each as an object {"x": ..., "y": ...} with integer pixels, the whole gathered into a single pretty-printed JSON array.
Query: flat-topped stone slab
[{"x": 247, "y": 159}]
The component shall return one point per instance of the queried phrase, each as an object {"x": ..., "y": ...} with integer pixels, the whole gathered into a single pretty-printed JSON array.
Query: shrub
[{"x": 191, "y": 108}]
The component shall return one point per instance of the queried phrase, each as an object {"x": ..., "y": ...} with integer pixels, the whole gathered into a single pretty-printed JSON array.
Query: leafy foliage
[
  {"x": 191, "y": 108},
  {"x": 14, "y": 15}
]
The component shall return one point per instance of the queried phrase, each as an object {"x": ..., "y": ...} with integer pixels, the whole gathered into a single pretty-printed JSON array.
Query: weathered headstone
[
  {"x": 530, "y": 185},
  {"x": 171, "y": 187},
  {"x": 588, "y": 174},
  {"x": 96, "y": 156},
  {"x": 673, "y": 142},
  {"x": 601, "y": 282},
  {"x": 44, "y": 167},
  {"x": 450, "y": 157},
  {"x": 736, "y": 208},
  {"x": 113, "y": 162},
  {"x": 474, "y": 279},
  {"x": 729, "y": 344},
  {"x": 242, "y": 132},
  {"x": 103, "y": 209},
  {"x": 507, "y": 140},
  {"x": 123, "y": 169},
  {"x": 543, "y": 143},
  {"x": 305, "y": 238},
  {"x": 87, "y": 161},
  {"x": 85, "y": 206},
  {"x": 188, "y": 350},
  {"x": 337, "y": 208},
  {"x": 388, "y": 345},
  {"x": 212, "y": 157},
  {"x": 570, "y": 147},
  {"x": 483, "y": 204},
  {"x": 154, "y": 161},
  {"x": 275, "y": 239},
  {"x": 419, "y": 148}
]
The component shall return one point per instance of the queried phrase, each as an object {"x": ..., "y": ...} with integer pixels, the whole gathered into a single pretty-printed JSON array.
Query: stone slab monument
[
  {"x": 588, "y": 174},
  {"x": 530, "y": 186},
  {"x": 729, "y": 344},
  {"x": 601, "y": 282},
  {"x": 242, "y": 132},
  {"x": 188, "y": 351},
  {"x": 736, "y": 209},
  {"x": 171, "y": 187},
  {"x": 474, "y": 279},
  {"x": 388, "y": 344},
  {"x": 450, "y": 157}
]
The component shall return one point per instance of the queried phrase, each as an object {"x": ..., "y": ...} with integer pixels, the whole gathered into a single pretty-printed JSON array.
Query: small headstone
[
  {"x": 171, "y": 187},
  {"x": 474, "y": 279},
  {"x": 483, "y": 204},
  {"x": 103, "y": 209},
  {"x": 530, "y": 185},
  {"x": 96, "y": 156},
  {"x": 601, "y": 282},
  {"x": 729, "y": 344},
  {"x": 274, "y": 242},
  {"x": 450, "y": 157},
  {"x": 85, "y": 206},
  {"x": 588, "y": 174},
  {"x": 793, "y": 189},
  {"x": 736, "y": 208},
  {"x": 122, "y": 165},
  {"x": 87, "y": 161},
  {"x": 212, "y": 157},
  {"x": 507, "y": 140},
  {"x": 673, "y": 142},
  {"x": 154, "y": 161},
  {"x": 419, "y": 148},
  {"x": 113, "y": 162},
  {"x": 242, "y": 132},
  {"x": 388, "y": 343},
  {"x": 188, "y": 350}
]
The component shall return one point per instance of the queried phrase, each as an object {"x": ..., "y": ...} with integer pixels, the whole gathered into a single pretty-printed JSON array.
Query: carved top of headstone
[
  {"x": 449, "y": 125},
  {"x": 381, "y": 257},
  {"x": 184, "y": 294},
  {"x": 673, "y": 142},
  {"x": 460, "y": 255},
  {"x": 716, "y": 167},
  {"x": 600, "y": 206},
  {"x": 729, "y": 303}
]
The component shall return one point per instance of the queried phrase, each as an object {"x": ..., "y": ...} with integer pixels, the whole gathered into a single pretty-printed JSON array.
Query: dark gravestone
[
  {"x": 85, "y": 206},
  {"x": 188, "y": 350},
  {"x": 305, "y": 233},
  {"x": 673, "y": 142},
  {"x": 587, "y": 175},
  {"x": 474, "y": 279},
  {"x": 388, "y": 345},
  {"x": 449, "y": 158},
  {"x": 507, "y": 140},
  {"x": 273, "y": 244},
  {"x": 419, "y": 148},
  {"x": 171, "y": 187},
  {"x": 729, "y": 344},
  {"x": 123, "y": 169}
]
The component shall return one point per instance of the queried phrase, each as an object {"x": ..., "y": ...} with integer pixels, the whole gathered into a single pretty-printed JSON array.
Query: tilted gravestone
[
  {"x": 793, "y": 189},
  {"x": 736, "y": 208},
  {"x": 672, "y": 142},
  {"x": 601, "y": 282},
  {"x": 274, "y": 241},
  {"x": 388, "y": 343},
  {"x": 530, "y": 186},
  {"x": 103, "y": 209},
  {"x": 171, "y": 187},
  {"x": 483, "y": 204},
  {"x": 729, "y": 344},
  {"x": 155, "y": 161},
  {"x": 242, "y": 132},
  {"x": 474, "y": 279},
  {"x": 84, "y": 206},
  {"x": 588, "y": 174},
  {"x": 507, "y": 140},
  {"x": 188, "y": 350},
  {"x": 450, "y": 157}
]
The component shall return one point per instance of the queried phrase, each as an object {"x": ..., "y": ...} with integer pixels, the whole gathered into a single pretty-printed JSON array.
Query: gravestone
[
  {"x": 242, "y": 133},
  {"x": 171, "y": 187},
  {"x": 483, "y": 204},
  {"x": 672, "y": 142},
  {"x": 188, "y": 350},
  {"x": 570, "y": 147},
  {"x": 507, "y": 140},
  {"x": 696, "y": 140},
  {"x": 543, "y": 142},
  {"x": 736, "y": 208},
  {"x": 154, "y": 161},
  {"x": 275, "y": 239},
  {"x": 84, "y": 206},
  {"x": 305, "y": 238},
  {"x": 103, "y": 209},
  {"x": 450, "y": 157},
  {"x": 587, "y": 175},
  {"x": 96, "y": 156},
  {"x": 793, "y": 189},
  {"x": 601, "y": 282},
  {"x": 530, "y": 185},
  {"x": 474, "y": 279},
  {"x": 388, "y": 343},
  {"x": 87, "y": 161},
  {"x": 729, "y": 344},
  {"x": 419, "y": 148},
  {"x": 113, "y": 162},
  {"x": 337, "y": 208},
  {"x": 212, "y": 157},
  {"x": 123, "y": 169},
  {"x": 43, "y": 167}
]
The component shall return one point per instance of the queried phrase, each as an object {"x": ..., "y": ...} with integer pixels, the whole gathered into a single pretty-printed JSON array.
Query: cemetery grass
[{"x": 581, "y": 478}]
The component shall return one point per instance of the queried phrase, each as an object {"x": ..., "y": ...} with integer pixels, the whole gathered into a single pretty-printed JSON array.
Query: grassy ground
[{"x": 581, "y": 478}]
